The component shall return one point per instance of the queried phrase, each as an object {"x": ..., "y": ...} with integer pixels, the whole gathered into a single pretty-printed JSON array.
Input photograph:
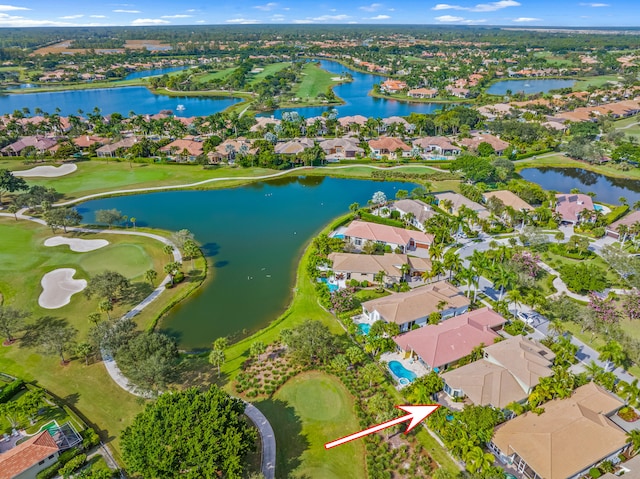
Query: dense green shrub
[
  {"x": 595, "y": 473},
  {"x": 10, "y": 390},
  {"x": 89, "y": 438},
  {"x": 73, "y": 465}
]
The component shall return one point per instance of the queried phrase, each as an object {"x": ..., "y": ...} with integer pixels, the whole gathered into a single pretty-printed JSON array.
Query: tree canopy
[{"x": 190, "y": 434}]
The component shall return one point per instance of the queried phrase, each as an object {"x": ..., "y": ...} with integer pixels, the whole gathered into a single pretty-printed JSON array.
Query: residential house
[
  {"x": 414, "y": 307},
  {"x": 388, "y": 145},
  {"x": 397, "y": 120},
  {"x": 571, "y": 208},
  {"x": 341, "y": 148},
  {"x": 419, "y": 210},
  {"x": 393, "y": 86},
  {"x": 474, "y": 142},
  {"x": 570, "y": 437},
  {"x": 228, "y": 149},
  {"x": 294, "y": 147},
  {"x": 262, "y": 122},
  {"x": 349, "y": 121},
  {"x": 440, "y": 145},
  {"x": 108, "y": 151},
  {"x": 629, "y": 221},
  {"x": 422, "y": 93},
  {"x": 364, "y": 267},
  {"x": 40, "y": 143},
  {"x": 498, "y": 110},
  {"x": 457, "y": 92},
  {"x": 359, "y": 232},
  {"x": 437, "y": 346},
  {"x": 452, "y": 202},
  {"x": 185, "y": 148},
  {"x": 85, "y": 141},
  {"x": 507, "y": 373},
  {"x": 27, "y": 459},
  {"x": 508, "y": 199}
]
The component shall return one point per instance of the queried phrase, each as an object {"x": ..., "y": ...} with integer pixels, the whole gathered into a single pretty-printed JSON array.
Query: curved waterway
[
  {"x": 563, "y": 180},
  {"x": 357, "y": 99},
  {"x": 529, "y": 86},
  {"x": 253, "y": 237}
]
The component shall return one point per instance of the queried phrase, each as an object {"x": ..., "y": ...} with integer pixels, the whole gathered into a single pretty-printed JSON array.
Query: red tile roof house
[
  {"x": 41, "y": 144},
  {"x": 498, "y": 145},
  {"x": 393, "y": 86},
  {"x": 441, "y": 345},
  {"x": 387, "y": 146},
  {"x": 187, "y": 149},
  {"x": 437, "y": 144},
  {"x": 29, "y": 458},
  {"x": 571, "y": 207},
  {"x": 628, "y": 221},
  {"x": 359, "y": 232},
  {"x": 414, "y": 307}
]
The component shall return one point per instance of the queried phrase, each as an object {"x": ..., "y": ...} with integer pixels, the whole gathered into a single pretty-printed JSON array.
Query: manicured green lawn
[
  {"x": 97, "y": 176},
  {"x": 555, "y": 261},
  {"x": 315, "y": 81},
  {"x": 270, "y": 69},
  {"x": 561, "y": 161},
  {"x": 219, "y": 75},
  {"x": 596, "y": 81},
  {"x": 310, "y": 410}
]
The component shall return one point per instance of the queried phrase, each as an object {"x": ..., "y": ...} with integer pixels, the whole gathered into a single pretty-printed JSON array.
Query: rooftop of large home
[
  {"x": 420, "y": 210},
  {"x": 388, "y": 143},
  {"x": 627, "y": 220},
  {"x": 509, "y": 199},
  {"x": 386, "y": 234},
  {"x": 390, "y": 263},
  {"x": 403, "y": 308},
  {"x": 457, "y": 201},
  {"x": 452, "y": 339},
  {"x": 475, "y": 141},
  {"x": 436, "y": 142},
  {"x": 570, "y": 435},
  {"x": 571, "y": 206},
  {"x": 508, "y": 371},
  {"x": 16, "y": 461}
]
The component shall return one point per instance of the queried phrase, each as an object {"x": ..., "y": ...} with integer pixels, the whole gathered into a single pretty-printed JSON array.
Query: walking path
[
  {"x": 231, "y": 178},
  {"x": 264, "y": 428}
]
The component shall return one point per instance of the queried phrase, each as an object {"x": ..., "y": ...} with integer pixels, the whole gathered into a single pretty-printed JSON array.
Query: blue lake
[
  {"x": 529, "y": 86},
  {"x": 253, "y": 237},
  {"x": 111, "y": 100},
  {"x": 153, "y": 73},
  {"x": 358, "y": 101},
  {"x": 563, "y": 180}
]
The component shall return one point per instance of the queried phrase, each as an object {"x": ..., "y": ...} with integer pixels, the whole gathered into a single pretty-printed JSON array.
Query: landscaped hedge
[
  {"x": 616, "y": 214},
  {"x": 380, "y": 220},
  {"x": 524, "y": 156},
  {"x": 393, "y": 174},
  {"x": 52, "y": 471},
  {"x": 11, "y": 390},
  {"x": 73, "y": 465}
]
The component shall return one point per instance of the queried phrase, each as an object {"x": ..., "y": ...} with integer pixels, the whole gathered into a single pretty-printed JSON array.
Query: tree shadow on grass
[
  {"x": 138, "y": 291},
  {"x": 290, "y": 443},
  {"x": 35, "y": 332}
]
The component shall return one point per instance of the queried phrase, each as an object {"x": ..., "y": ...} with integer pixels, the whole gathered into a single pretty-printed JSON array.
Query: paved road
[{"x": 262, "y": 423}]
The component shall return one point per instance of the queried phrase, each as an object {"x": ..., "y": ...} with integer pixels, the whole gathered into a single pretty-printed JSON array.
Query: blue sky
[{"x": 26, "y": 13}]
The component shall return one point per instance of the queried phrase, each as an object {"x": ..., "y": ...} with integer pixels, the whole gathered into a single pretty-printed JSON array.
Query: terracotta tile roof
[
  {"x": 22, "y": 457},
  {"x": 386, "y": 234},
  {"x": 452, "y": 339},
  {"x": 475, "y": 141},
  {"x": 509, "y": 199},
  {"x": 627, "y": 220},
  {"x": 389, "y": 143},
  {"x": 571, "y": 434},
  {"x": 390, "y": 263},
  {"x": 402, "y": 308},
  {"x": 570, "y": 206},
  {"x": 193, "y": 147},
  {"x": 431, "y": 142}
]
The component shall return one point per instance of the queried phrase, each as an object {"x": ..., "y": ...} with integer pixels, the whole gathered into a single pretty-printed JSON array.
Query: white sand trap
[
  {"x": 77, "y": 244},
  {"x": 58, "y": 286},
  {"x": 337, "y": 78},
  {"x": 48, "y": 171}
]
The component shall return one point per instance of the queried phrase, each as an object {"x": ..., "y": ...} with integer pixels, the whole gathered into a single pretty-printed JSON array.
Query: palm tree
[
  {"x": 133, "y": 221},
  {"x": 515, "y": 297},
  {"x": 505, "y": 279},
  {"x": 168, "y": 249},
  {"x": 630, "y": 392},
  {"x": 558, "y": 329},
  {"x": 95, "y": 318},
  {"x": 437, "y": 269},
  {"x": 633, "y": 438},
  {"x": 435, "y": 251},
  {"x": 405, "y": 269},
  {"x": 191, "y": 250},
  {"x": 623, "y": 230},
  {"x": 85, "y": 350},
  {"x": 105, "y": 306},
  {"x": 613, "y": 353},
  {"x": 217, "y": 357},
  {"x": 452, "y": 262},
  {"x": 150, "y": 275},
  {"x": 478, "y": 461}
]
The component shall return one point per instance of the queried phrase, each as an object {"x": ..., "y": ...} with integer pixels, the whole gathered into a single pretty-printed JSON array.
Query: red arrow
[{"x": 416, "y": 415}]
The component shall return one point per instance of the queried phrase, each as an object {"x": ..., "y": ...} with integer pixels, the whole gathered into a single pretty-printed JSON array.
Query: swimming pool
[
  {"x": 364, "y": 328},
  {"x": 332, "y": 286},
  {"x": 598, "y": 207},
  {"x": 339, "y": 236},
  {"x": 401, "y": 372}
]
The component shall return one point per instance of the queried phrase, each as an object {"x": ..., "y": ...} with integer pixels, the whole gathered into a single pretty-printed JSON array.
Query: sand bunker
[
  {"x": 47, "y": 171},
  {"x": 77, "y": 244},
  {"x": 58, "y": 286}
]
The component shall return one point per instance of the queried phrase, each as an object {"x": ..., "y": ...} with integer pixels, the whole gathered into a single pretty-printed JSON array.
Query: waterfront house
[
  {"x": 183, "y": 148},
  {"x": 420, "y": 212},
  {"x": 474, "y": 142},
  {"x": 630, "y": 221},
  {"x": 422, "y": 93},
  {"x": 393, "y": 86},
  {"x": 440, "y": 145},
  {"x": 457, "y": 91},
  {"x": 574, "y": 208},
  {"x": 508, "y": 372},
  {"x": 414, "y": 307},
  {"x": 452, "y": 202},
  {"x": 293, "y": 147},
  {"x": 438, "y": 346},
  {"x": 570, "y": 437},
  {"x": 340, "y": 149},
  {"x": 364, "y": 267},
  {"x": 388, "y": 145},
  {"x": 509, "y": 200},
  {"x": 359, "y": 232}
]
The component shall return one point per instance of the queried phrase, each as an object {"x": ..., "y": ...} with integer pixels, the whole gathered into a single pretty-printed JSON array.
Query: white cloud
[
  {"x": 7, "y": 20},
  {"x": 595, "y": 5},
  {"x": 71, "y": 17},
  {"x": 149, "y": 21},
  {"x": 266, "y": 7},
  {"x": 303, "y": 21},
  {"x": 371, "y": 8},
  {"x": 200, "y": 21},
  {"x": 11, "y": 8},
  {"x": 277, "y": 17},
  {"x": 176, "y": 16},
  {"x": 379, "y": 17},
  {"x": 526, "y": 19},
  {"x": 454, "y": 19},
  {"x": 192, "y": 10},
  {"x": 330, "y": 18},
  {"x": 97, "y": 16},
  {"x": 241, "y": 21},
  {"x": 126, "y": 11},
  {"x": 481, "y": 7}
]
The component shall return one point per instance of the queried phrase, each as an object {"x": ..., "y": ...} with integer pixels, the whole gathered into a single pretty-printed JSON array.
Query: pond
[
  {"x": 253, "y": 237},
  {"x": 153, "y": 73},
  {"x": 529, "y": 86},
  {"x": 563, "y": 180},
  {"x": 358, "y": 101},
  {"x": 112, "y": 100}
]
